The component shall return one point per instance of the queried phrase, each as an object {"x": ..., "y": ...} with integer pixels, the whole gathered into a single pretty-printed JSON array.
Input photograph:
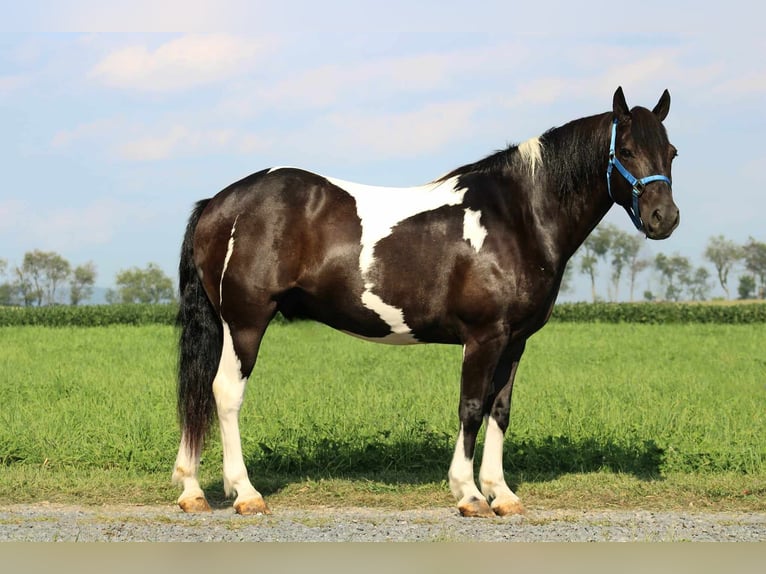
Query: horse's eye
[{"x": 626, "y": 153}]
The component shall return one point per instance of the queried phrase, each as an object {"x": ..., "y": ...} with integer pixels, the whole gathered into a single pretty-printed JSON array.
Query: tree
[
  {"x": 672, "y": 269},
  {"x": 566, "y": 280},
  {"x": 746, "y": 287},
  {"x": 6, "y": 289},
  {"x": 625, "y": 249},
  {"x": 755, "y": 263},
  {"x": 40, "y": 276},
  {"x": 149, "y": 285},
  {"x": 81, "y": 283},
  {"x": 697, "y": 283},
  {"x": 595, "y": 247},
  {"x": 23, "y": 287},
  {"x": 723, "y": 254},
  {"x": 636, "y": 266}
]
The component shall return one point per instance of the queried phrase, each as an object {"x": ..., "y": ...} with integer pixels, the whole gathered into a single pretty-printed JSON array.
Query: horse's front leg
[
  {"x": 491, "y": 476},
  {"x": 479, "y": 362}
]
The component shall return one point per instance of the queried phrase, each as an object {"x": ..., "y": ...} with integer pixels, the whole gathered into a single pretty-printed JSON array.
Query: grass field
[{"x": 603, "y": 416}]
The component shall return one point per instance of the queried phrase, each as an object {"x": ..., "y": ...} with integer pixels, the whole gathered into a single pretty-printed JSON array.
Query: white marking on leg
[
  {"x": 229, "y": 251},
  {"x": 531, "y": 152},
  {"x": 461, "y": 481},
  {"x": 473, "y": 231},
  {"x": 186, "y": 469},
  {"x": 229, "y": 391},
  {"x": 491, "y": 476}
]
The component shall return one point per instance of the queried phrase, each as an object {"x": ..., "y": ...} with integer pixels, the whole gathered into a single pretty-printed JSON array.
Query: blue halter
[{"x": 637, "y": 184}]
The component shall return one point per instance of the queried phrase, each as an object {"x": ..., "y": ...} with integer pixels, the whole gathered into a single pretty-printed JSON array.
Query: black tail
[{"x": 200, "y": 344}]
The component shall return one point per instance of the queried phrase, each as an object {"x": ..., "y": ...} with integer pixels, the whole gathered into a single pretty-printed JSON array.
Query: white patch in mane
[
  {"x": 531, "y": 152},
  {"x": 473, "y": 231}
]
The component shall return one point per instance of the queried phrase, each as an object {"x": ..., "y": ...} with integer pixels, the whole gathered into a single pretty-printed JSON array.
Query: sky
[{"x": 110, "y": 137}]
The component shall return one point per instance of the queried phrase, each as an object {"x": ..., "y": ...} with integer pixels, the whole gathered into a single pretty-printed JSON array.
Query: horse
[{"x": 473, "y": 258}]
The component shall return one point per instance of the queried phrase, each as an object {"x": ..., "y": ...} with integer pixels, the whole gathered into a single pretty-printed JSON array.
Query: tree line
[
  {"x": 46, "y": 278},
  {"x": 677, "y": 278}
]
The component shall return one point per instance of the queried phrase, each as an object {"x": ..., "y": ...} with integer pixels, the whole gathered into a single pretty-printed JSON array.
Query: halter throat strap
[{"x": 638, "y": 185}]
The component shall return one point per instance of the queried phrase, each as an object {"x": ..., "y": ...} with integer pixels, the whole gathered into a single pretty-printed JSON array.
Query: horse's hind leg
[
  {"x": 185, "y": 471},
  {"x": 240, "y": 348}
]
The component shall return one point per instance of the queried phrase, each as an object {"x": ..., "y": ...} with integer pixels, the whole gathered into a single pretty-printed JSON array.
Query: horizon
[{"x": 114, "y": 136}]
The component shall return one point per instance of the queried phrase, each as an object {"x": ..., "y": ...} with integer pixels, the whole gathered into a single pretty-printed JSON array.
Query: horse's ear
[
  {"x": 620, "y": 106},
  {"x": 663, "y": 106}
]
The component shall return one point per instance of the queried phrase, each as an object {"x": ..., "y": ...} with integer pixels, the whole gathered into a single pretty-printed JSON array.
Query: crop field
[{"x": 603, "y": 415}]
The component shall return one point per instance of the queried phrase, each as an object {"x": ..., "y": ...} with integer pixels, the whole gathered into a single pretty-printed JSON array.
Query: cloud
[
  {"x": 92, "y": 130},
  {"x": 373, "y": 80},
  {"x": 63, "y": 228},
  {"x": 746, "y": 85},
  {"x": 11, "y": 83},
  {"x": 179, "y": 64},
  {"x": 180, "y": 140},
  {"x": 11, "y": 211},
  {"x": 146, "y": 15},
  {"x": 123, "y": 140},
  {"x": 642, "y": 74},
  {"x": 396, "y": 135}
]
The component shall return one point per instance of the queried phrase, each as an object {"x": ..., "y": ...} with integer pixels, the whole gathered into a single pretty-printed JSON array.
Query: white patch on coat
[
  {"x": 401, "y": 334},
  {"x": 229, "y": 251},
  {"x": 473, "y": 231},
  {"x": 380, "y": 209},
  {"x": 531, "y": 152}
]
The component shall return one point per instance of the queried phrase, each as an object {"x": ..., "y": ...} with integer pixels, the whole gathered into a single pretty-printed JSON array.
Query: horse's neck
[{"x": 570, "y": 198}]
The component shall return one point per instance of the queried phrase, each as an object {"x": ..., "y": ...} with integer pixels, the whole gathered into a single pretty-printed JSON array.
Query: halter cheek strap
[{"x": 638, "y": 185}]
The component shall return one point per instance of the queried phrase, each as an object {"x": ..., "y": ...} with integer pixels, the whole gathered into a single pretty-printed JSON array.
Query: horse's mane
[
  {"x": 494, "y": 162},
  {"x": 573, "y": 145}
]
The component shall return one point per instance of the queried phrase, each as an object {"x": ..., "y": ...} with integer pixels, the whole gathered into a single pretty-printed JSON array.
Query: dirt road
[{"x": 52, "y": 522}]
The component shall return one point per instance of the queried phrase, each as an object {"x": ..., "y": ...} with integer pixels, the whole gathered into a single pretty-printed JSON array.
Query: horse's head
[{"x": 642, "y": 155}]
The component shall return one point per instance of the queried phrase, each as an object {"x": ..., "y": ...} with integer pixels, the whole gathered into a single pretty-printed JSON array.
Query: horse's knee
[{"x": 471, "y": 413}]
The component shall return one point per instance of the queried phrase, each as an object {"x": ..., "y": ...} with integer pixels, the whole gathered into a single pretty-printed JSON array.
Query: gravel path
[{"x": 51, "y": 522}]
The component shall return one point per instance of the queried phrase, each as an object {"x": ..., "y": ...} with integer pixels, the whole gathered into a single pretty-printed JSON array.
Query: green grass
[{"x": 603, "y": 415}]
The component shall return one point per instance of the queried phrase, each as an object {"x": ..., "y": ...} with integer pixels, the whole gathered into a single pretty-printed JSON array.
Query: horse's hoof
[
  {"x": 251, "y": 506},
  {"x": 476, "y": 507},
  {"x": 508, "y": 508},
  {"x": 195, "y": 504}
]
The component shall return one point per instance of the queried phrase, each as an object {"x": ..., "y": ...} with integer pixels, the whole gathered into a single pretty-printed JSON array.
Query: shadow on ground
[{"x": 426, "y": 460}]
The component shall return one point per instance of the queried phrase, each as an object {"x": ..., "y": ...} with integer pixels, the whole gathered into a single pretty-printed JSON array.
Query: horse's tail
[{"x": 200, "y": 344}]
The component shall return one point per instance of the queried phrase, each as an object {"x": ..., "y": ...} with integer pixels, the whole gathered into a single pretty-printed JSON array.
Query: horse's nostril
[{"x": 657, "y": 216}]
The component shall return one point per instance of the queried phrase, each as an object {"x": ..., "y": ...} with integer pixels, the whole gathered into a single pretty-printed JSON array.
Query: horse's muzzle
[{"x": 662, "y": 221}]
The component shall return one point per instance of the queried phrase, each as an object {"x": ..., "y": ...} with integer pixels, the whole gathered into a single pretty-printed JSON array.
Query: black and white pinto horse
[{"x": 474, "y": 258}]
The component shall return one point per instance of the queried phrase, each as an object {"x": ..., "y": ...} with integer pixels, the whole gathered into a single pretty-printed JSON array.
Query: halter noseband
[{"x": 638, "y": 185}]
